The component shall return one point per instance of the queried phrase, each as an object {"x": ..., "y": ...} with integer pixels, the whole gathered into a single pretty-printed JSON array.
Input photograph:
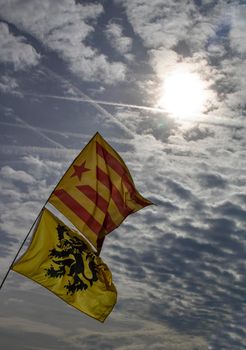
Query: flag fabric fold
[
  {"x": 97, "y": 192},
  {"x": 59, "y": 259}
]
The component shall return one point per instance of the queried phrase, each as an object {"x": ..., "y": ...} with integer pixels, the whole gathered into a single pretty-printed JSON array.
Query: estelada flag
[
  {"x": 97, "y": 192},
  {"x": 59, "y": 259}
]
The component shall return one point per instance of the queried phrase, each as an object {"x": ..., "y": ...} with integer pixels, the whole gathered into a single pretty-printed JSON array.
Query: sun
[{"x": 183, "y": 95}]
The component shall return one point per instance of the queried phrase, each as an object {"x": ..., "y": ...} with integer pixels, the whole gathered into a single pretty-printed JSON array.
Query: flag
[
  {"x": 59, "y": 259},
  {"x": 97, "y": 192}
]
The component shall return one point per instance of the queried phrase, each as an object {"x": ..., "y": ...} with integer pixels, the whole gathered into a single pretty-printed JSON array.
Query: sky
[{"x": 164, "y": 82}]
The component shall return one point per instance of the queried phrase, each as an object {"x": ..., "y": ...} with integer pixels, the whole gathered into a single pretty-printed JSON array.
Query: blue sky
[{"x": 164, "y": 83}]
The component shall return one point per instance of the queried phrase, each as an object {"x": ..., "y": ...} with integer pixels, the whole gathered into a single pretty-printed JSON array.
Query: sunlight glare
[{"x": 183, "y": 95}]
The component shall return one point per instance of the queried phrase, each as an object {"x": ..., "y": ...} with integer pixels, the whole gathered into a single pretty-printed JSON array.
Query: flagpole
[{"x": 18, "y": 252}]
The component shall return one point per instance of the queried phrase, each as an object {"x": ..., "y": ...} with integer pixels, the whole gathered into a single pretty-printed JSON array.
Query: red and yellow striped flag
[{"x": 97, "y": 192}]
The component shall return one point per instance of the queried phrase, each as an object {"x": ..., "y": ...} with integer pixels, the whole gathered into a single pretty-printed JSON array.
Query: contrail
[
  {"x": 100, "y": 102},
  {"x": 63, "y": 133},
  {"x": 97, "y": 104},
  {"x": 37, "y": 131},
  {"x": 50, "y": 152},
  {"x": 89, "y": 100}
]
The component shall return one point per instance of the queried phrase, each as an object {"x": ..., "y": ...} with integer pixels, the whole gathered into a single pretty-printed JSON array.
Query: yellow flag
[
  {"x": 60, "y": 260},
  {"x": 97, "y": 192}
]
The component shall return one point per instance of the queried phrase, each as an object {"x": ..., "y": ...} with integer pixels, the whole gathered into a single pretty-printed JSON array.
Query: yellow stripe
[
  {"x": 107, "y": 146},
  {"x": 89, "y": 178},
  {"x": 114, "y": 177},
  {"x": 80, "y": 224}
]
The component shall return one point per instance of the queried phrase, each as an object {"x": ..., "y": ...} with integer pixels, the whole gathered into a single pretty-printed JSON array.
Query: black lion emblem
[{"x": 72, "y": 257}]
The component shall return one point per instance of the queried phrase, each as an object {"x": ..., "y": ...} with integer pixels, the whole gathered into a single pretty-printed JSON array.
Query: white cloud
[
  {"x": 163, "y": 61},
  {"x": 16, "y": 175},
  {"x": 234, "y": 84},
  {"x": 205, "y": 38},
  {"x": 238, "y": 28},
  {"x": 49, "y": 20},
  {"x": 183, "y": 269},
  {"x": 8, "y": 84},
  {"x": 15, "y": 51},
  {"x": 64, "y": 26},
  {"x": 216, "y": 50},
  {"x": 30, "y": 326},
  {"x": 120, "y": 42},
  {"x": 169, "y": 273},
  {"x": 97, "y": 67},
  {"x": 158, "y": 23}
]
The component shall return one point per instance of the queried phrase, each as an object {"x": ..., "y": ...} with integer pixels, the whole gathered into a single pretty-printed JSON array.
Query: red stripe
[
  {"x": 101, "y": 203},
  {"x": 104, "y": 179},
  {"x": 110, "y": 160},
  {"x": 140, "y": 201},
  {"x": 117, "y": 198},
  {"x": 78, "y": 210},
  {"x": 115, "y": 193},
  {"x": 120, "y": 169},
  {"x": 133, "y": 192},
  {"x": 108, "y": 223},
  {"x": 94, "y": 196}
]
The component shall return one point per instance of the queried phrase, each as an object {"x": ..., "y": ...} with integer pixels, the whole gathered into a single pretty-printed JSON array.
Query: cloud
[
  {"x": 233, "y": 85},
  {"x": 183, "y": 271},
  {"x": 97, "y": 67},
  {"x": 19, "y": 175},
  {"x": 211, "y": 180},
  {"x": 120, "y": 42},
  {"x": 119, "y": 335},
  {"x": 229, "y": 209},
  {"x": 159, "y": 24},
  {"x": 163, "y": 60},
  {"x": 16, "y": 51},
  {"x": 32, "y": 327},
  {"x": 179, "y": 264},
  {"x": 22, "y": 192},
  {"x": 238, "y": 27},
  {"x": 205, "y": 38},
  {"x": 65, "y": 27},
  {"x": 198, "y": 133},
  {"x": 8, "y": 84}
]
